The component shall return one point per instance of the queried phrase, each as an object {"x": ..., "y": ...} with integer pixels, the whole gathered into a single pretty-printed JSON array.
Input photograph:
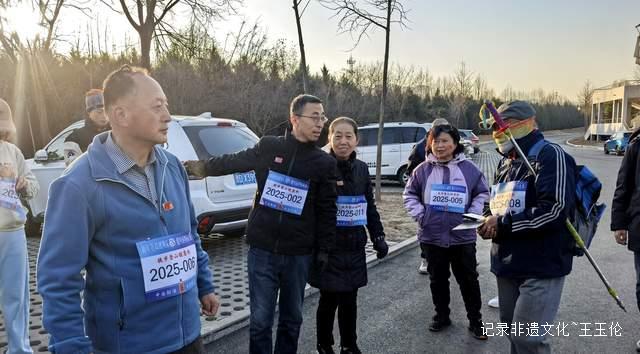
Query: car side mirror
[{"x": 41, "y": 156}]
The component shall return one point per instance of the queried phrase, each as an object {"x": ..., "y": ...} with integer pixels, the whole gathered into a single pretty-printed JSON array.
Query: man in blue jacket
[
  {"x": 122, "y": 213},
  {"x": 532, "y": 249}
]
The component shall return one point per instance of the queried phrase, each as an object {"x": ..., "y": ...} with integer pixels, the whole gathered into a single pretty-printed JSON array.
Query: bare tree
[
  {"x": 584, "y": 100},
  {"x": 480, "y": 88},
  {"x": 358, "y": 20},
  {"x": 303, "y": 57},
  {"x": 457, "y": 108},
  {"x": 151, "y": 18},
  {"x": 463, "y": 81}
]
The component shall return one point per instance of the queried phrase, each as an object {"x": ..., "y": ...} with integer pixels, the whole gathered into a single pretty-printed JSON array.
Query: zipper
[
  {"x": 293, "y": 159},
  {"x": 123, "y": 311}
]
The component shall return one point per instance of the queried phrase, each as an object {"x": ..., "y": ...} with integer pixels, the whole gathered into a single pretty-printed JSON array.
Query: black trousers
[
  {"x": 461, "y": 259},
  {"x": 347, "y": 305},
  {"x": 195, "y": 347}
]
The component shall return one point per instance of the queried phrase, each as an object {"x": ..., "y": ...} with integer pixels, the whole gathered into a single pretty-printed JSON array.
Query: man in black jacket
[
  {"x": 625, "y": 208},
  {"x": 293, "y": 217},
  {"x": 95, "y": 123}
]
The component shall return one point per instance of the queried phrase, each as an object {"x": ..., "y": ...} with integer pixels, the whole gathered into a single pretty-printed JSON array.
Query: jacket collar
[
  {"x": 351, "y": 157},
  {"x": 431, "y": 158},
  {"x": 527, "y": 142},
  {"x": 101, "y": 165},
  {"x": 289, "y": 138}
]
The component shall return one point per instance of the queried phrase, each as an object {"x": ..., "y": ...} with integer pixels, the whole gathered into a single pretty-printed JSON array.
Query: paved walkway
[{"x": 228, "y": 262}]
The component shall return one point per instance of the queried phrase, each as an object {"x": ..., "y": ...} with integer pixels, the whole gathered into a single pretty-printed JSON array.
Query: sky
[{"x": 553, "y": 45}]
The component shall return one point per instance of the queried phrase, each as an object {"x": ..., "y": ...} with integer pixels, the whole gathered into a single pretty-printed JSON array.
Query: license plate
[{"x": 244, "y": 178}]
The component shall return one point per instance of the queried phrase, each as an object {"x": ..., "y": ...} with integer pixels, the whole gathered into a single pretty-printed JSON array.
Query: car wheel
[{"x": 403, "y": 176}]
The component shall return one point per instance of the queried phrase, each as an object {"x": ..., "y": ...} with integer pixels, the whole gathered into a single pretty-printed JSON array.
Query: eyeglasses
[{"x": 316, "y": 119}]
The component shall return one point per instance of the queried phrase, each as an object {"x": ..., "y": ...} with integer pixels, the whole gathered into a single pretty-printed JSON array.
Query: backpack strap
[{"x": 536, "y": 148}]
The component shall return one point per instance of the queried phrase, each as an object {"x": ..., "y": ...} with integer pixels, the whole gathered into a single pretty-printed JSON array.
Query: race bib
[
  {"x": 284, "y": 193},
  {"x": 9, "y": 199},
  {"x": 448, "y": 197},
  {"x": 352, "y": 210},
  {"x": 169, "y": 265},
  {"x": 508, "y": 197}
]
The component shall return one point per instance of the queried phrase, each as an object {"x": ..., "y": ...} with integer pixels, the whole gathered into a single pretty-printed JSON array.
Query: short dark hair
[
  {"x": 448, "y": 129},
  {"x": 119, "y": 83},
  {"x": 341, "y": 120},
  {"x": 298, "y": 103}
]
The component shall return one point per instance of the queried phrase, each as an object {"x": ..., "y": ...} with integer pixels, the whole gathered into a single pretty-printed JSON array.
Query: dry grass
[{"x": 398, "y": 225}]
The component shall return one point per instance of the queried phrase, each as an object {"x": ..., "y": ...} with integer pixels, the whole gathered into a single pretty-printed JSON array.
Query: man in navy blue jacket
[{"x": 532, "y": 249}]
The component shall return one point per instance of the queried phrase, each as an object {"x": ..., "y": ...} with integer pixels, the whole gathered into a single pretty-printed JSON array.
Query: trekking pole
[{"x": 504, "y": 127}]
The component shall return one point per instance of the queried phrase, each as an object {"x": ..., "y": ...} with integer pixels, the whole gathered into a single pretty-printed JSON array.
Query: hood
[{"x": 431, "y": 158}]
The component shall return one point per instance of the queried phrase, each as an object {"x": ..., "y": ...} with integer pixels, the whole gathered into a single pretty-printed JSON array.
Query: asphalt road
[{"x": 395, "y": 308}]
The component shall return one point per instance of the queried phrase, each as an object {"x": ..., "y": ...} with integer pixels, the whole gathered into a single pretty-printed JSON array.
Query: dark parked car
[{"x": 617, "y": 143}]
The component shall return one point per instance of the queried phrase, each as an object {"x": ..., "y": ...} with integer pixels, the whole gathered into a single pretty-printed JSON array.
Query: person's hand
[
  {"x": 209, "y": 304},
  {"x": 621, "y": 236},
  {"x": 21, "y": 185},
  {"x": 489, "y": 229},
  {"x": 195, "y": 168},
  {"x": 381, "y": 247}
]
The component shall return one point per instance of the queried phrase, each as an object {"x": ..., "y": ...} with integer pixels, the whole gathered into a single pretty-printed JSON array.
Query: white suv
[
  {"x": 222, "y": 204},
  {"x": 397, "y": 141}
]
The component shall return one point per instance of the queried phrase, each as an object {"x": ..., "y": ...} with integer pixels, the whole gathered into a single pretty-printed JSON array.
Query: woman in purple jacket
[{"x": 439, "y": 191}]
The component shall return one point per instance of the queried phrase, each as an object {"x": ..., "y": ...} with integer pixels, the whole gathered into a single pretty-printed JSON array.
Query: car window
[
  {"x": 422, "y": 132},
  {"x": 55, "y": 149},
  {"x": 392, "y": 136},
  {"x": 409, "y": 135},
  {"x": 208, "y": 140},
  {"x": 368, "y": 137}
]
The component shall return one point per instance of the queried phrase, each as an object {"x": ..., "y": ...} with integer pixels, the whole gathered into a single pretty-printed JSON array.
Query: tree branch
[{"x": 125, "y": 9}]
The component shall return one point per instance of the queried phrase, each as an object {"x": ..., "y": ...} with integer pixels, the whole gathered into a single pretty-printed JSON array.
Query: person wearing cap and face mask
[
  {"x": 16, "y": 181},
  {"x": 95, "y": 123},
  {"x": 532, "y": 250}
]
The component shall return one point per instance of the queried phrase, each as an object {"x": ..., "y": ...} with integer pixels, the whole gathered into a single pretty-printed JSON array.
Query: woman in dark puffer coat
[{"x": 346, "y": 270}]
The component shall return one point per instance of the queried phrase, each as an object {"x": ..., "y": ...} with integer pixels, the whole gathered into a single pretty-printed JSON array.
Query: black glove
[
  {"x": 322, "y": 260},
  {"x": 380, "y": 246}
]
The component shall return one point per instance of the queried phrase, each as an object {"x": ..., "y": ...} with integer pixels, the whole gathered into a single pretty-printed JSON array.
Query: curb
[
  {"x": 241, "y": 320},
  {"x": 583, "y": 146}
]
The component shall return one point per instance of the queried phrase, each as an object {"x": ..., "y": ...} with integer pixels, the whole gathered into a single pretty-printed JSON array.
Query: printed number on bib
[
  {"x": 284, "y": 193},
  {"x": 508, "y": 197},
  {"x": 448, "y": 197},
  {"x": 352, "y": 210},
  {"x": 169, "y": 265},
  {"x": 9, "y": 199}
]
